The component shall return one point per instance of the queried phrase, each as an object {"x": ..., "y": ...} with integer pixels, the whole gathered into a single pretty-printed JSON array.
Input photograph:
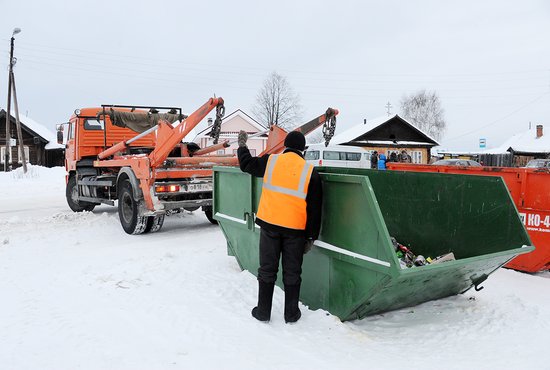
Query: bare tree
[
  {"x": 423, "y": 109},
  {"x": 276, "y": 103}
]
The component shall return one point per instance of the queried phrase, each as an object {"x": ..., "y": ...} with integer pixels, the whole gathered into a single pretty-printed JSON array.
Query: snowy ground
[{"x": 78, "y": 293}]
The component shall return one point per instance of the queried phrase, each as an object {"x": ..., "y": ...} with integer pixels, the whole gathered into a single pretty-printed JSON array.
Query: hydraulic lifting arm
[
  {"x": 169, "y": 136},
  {"x": 277, "y": 135}
]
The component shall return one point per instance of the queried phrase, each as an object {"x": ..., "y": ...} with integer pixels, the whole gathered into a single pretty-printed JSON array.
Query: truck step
[
  {"x": 95, "y": 182},
  {"x": 97, "y": 200}
]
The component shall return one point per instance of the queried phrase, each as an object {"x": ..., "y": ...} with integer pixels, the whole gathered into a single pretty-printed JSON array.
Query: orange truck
[
  {"x": 530, "y": 190},
  {"x": 152, "y": 173}
]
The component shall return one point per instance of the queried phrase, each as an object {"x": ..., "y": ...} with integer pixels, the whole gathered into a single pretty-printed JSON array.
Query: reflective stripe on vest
[
  {"x": 300, "y": 193},
  {"x": 284, "y": 192}
]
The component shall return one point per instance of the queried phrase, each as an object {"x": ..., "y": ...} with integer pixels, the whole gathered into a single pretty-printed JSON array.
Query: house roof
[
  {"x": 524, "y": 142},
  {"x": 38, "y": 129},
  {"x": 359, "y": 133},
  {"x": 236, "y": 113}
]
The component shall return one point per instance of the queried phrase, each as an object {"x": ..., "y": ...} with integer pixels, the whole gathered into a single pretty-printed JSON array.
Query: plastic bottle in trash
[{"x": 420, "y": 260}]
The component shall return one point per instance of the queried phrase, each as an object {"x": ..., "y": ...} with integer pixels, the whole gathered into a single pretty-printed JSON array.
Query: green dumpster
[{"x": 354, "y": 271}]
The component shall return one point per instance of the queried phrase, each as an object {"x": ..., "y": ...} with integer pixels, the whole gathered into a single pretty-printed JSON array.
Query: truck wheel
[
  {"x": 154, "y": 223},
  {"x": 208, "y": 213},
  {"x": 128, "y": 209},
  {"x": 71, "y": 194}
]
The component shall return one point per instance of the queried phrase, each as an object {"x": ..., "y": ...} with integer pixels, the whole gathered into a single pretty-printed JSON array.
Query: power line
[
  {"x": 132, "y": 59},
  {"x": 500, "y": 119},
  {"x": 149, "y": 75}
]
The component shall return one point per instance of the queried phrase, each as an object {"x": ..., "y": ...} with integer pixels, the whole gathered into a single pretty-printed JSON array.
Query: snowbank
[{"x": 77, "y": 292}]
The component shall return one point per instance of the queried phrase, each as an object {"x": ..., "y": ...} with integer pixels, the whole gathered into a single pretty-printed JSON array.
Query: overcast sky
[{"x": 489, "y": 61}]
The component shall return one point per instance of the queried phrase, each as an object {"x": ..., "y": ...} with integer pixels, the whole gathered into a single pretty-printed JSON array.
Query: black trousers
[{"x": 272, "y": 245}]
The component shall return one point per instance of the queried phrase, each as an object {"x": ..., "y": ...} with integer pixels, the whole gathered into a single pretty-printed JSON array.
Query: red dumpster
[{"x": 530, "y": 190}]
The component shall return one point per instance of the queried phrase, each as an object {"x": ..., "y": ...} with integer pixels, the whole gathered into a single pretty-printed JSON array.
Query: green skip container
[{"x": 353, "y": 270}]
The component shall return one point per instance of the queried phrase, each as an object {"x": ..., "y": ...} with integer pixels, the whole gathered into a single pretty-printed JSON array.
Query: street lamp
[{"x": 8, "y": 110}]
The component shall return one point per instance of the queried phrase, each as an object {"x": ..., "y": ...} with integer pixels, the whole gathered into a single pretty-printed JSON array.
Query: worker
[
  {"x": 404, "y": 157},
  {"x": 381, "y": 162},
  {"x": 374, "y": 160},
  {"x": 289, "y": 215}
]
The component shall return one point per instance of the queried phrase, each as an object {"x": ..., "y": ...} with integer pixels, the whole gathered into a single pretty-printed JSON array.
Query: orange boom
[{"x": 135, "y": 155}]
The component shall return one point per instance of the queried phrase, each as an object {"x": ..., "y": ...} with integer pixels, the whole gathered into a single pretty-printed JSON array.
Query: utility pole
[
  {"x": 18, "y": 124},
  {"x": 8, "y": 111}
]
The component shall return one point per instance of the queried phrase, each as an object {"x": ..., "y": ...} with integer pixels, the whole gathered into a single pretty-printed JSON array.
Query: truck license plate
[{"x": 199, "y": 187}]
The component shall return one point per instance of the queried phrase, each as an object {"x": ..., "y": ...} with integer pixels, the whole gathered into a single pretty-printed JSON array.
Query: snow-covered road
[{"x": 78, "y": 293}]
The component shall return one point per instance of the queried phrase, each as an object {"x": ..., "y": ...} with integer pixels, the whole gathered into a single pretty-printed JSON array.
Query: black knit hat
[{"x": 295, "y": 140}]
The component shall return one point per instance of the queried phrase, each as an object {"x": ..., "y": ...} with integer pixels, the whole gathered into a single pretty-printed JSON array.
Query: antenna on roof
[{"x": 389, "y": 106}]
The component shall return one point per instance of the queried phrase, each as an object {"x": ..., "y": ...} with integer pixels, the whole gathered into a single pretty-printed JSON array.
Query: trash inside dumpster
[
  {"x": 467, "y": 222},
  {"x": 530, "y": 191}
]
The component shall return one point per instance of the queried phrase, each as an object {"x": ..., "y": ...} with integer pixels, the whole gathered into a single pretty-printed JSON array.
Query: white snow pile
[{"x": 78, "y": 293}]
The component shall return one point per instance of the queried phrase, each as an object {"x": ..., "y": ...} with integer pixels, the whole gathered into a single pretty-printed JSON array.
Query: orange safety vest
[{"x": 284, "y": 191}]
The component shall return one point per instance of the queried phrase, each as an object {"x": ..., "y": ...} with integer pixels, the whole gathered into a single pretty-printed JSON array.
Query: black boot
[
  {"x": 292, "y": 295},
  {"x": 262, "y": 311}
]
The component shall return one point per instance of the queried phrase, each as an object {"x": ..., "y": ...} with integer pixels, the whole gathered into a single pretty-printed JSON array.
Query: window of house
[
  {"x": 20, "y": 157},
  {"x": 416, "y": 156},
  {"x": 3, "y": 155},
  {"x": 220, "y": 152}
]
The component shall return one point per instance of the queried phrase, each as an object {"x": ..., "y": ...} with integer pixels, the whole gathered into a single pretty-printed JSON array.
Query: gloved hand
[
  {"x": 308, "y": 245},
  {"x": 242, "y": 138}
]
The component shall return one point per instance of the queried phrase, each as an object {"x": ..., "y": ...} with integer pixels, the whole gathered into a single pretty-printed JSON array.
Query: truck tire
[
  {"x": 209, "y": 216},
  {"x": 71, "y": 193},
  {"x": 154, "y": 223},
  {"x": 128, "y": 210}
]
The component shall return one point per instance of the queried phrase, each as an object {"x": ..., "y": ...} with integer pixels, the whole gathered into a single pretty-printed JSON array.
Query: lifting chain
[
  {"x": 217, "y": 126},
  {"x": 329, "y": 126}
]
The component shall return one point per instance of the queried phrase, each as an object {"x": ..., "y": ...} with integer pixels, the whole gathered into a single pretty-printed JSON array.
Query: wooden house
[{"x": 39, "y": 143}]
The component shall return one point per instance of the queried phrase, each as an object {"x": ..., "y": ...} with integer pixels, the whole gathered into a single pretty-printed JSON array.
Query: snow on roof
[
  {"x": 41, "y": 130},
  {"x": 389, "y": 142},
  {"x": 526, "y": 142},
  {"x": 361, "y": 129}
]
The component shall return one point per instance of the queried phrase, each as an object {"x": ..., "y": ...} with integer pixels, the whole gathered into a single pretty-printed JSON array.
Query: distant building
[
  {"x": 231, "y": 125},
  {"x": 387, "y": 135},
  {"x": 40, "y": 144},
  {"x": 514, "y": 152},
  {"x": 522, "y": 147}
]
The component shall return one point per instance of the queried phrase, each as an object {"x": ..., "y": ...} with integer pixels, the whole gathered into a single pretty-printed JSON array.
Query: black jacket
[{"x": 256, "y": 166}]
